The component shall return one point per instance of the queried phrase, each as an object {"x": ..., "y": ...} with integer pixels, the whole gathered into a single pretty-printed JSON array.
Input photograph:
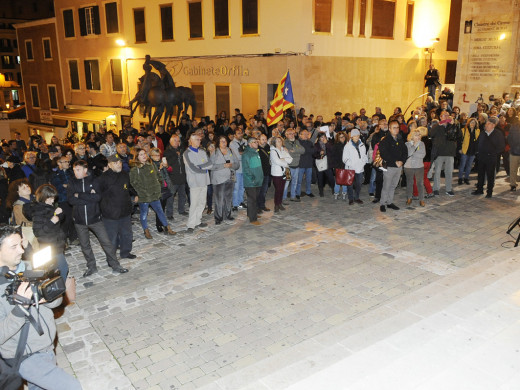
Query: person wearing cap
[
  {"x": 491, "y": 143},
  {"x": 355, "y": 158},
  {"x": 116, "y": 206}
]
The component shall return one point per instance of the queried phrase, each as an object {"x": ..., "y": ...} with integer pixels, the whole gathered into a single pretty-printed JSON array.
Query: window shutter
[
  {"x": 97, "y": 25},
  {"x": 82, "y": 22},
  {"x": 88, "y": 75}
]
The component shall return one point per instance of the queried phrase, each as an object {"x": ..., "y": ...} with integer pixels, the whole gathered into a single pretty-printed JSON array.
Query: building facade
[
  {"x": 10, "y": 74},
  {"x": 342, "y": 54},
  {"x": 39, "y": 53}
]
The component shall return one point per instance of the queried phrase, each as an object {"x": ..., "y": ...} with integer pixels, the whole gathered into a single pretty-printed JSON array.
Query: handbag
[
  {"x": 287, "y": 174},
  {"x": 345, "y": 177},
  {"x": 322, "y": 164}
]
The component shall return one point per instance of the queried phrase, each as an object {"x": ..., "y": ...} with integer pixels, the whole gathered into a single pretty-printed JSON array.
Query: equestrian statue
[{"x": 158, "y": 93}]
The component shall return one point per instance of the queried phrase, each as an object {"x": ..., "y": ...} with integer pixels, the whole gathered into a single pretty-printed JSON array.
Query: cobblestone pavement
[{"x": 232, "y": 305}]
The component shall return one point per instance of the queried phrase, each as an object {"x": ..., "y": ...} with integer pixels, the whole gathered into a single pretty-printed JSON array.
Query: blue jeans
[
  {"x": 465, "y": 165},
  {"x": 41, "y": 372},
  {"x": 372, "y": 186},
  {"x": 293, "y": 183},
  {"x": 343, "y": 189},
  {"x": 238, "y": 191},
  {"x": 62, "y": 265},
  {"x": 308, "y": 180},
  {"x": 156, "y": 206},
  {"x": 431, "y": 90},
  {"x": 354, "y": 190}
]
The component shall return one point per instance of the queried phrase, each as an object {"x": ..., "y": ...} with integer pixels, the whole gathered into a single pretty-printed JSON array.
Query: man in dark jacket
[
  {"x": 305, "y": 164},
  {"x": 83, "y": 194},
  {"x": 513, "y": 139},
  {"x": 491, "y": 143},
  {"x": 177, "y": 173},
  {"x": 393, "y": 150},
  {"x": 116, "y": 206},
  {"x": 445, "y": 137},
  {"x": 264, "y": 152},
  {"x": 431, "y": 80}
]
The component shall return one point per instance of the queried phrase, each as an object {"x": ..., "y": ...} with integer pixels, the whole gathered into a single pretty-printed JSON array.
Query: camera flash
[{"x": 42, "y": 257}]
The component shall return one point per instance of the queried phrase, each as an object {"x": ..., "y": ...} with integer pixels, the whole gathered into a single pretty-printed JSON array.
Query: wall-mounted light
[
  {"x": 120, "y": 42},
  {"x": 502, "y": 37}
]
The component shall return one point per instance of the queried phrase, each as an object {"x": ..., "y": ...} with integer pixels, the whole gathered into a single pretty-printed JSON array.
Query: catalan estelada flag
[{"x": 283, "y": 99}]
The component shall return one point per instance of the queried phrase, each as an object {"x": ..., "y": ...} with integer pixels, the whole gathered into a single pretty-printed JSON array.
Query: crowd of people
[
  {"x": 60, "y": 191},
  {"x": 55, "y": 194}
]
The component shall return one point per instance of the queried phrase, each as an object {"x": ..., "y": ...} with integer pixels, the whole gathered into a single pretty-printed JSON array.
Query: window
[
  {"x": 167, "y": 22},
  {"x": 249, "y": 17},
  {"x": 383, "y": 17},
  {"x": 111, "y": 18},
  {"x": 116, "y": 71},
  {"x": 222, "y": 98},
  {"x": 409, "y": 20},
  {"x": 35, "y": 96},
  {"x": 195, "y": 17},
  {"x": 9, "y": 76},
  {"x": 139, "y": 25},
  {"x": 15, "y": 43},
  {"x": 8, "y": 62},
  {"x": 362, "y": 17},
  {"x": 350, "y": 17},
  {"x": 221, "y": 12},
  {"x": 68, "y": 23},
  {"x": 47, "y": 53},
  {"x": 74, "y": 75},
  {"x": 453, "y": 26},
  {"x": 92, "y": 75},
  {"x": 28, "y": 50},
  {"x": 323, "y": 16},
  {"x": 19, "y": 78},
  {"x": 198, "y": 90},
  {"x": 53, "y": 97},
  {"x": 89, "y": 21}
]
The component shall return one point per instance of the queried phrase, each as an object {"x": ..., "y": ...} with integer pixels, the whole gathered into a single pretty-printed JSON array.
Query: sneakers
[
  {"x": 239, "y": 207},
  {"x": 371, "y": 194},
  {"x": 382, "y": 209},
  {"x": 450, "y": 193},
  {"x": 392, "y": 206},
  {"x": 90, "y": 271},
  {"x": 344, "y": 195},
  {"x": 436, "y": 193},
  {"x": 336, "y": 195}
]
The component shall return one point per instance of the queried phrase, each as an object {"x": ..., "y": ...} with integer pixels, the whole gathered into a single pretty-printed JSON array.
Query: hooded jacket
[{"x": 47, "y": 232}]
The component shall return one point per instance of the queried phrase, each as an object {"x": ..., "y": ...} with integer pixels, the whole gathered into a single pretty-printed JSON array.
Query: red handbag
[{"x": 345, "y": 177}]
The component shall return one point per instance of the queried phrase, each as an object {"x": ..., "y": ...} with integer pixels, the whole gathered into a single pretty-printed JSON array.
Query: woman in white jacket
[
  {"x": 280, "y": 159},
  {"x": 355, "y": 157}
]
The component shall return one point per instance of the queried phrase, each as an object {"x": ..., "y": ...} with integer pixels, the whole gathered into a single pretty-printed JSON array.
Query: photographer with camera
[
  {"x": 445, "y": 137},
  {"x": 22, "y": 316}
]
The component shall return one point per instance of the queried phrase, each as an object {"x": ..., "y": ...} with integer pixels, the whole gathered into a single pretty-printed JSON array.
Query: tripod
[{"x": 511, "y": 227}]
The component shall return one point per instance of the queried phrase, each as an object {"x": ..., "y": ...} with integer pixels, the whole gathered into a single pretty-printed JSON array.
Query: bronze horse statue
[{"x": 161, "y": 95}]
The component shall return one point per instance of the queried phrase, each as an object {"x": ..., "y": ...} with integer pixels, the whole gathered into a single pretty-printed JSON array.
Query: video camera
[{"x": 44, "y": 279}]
